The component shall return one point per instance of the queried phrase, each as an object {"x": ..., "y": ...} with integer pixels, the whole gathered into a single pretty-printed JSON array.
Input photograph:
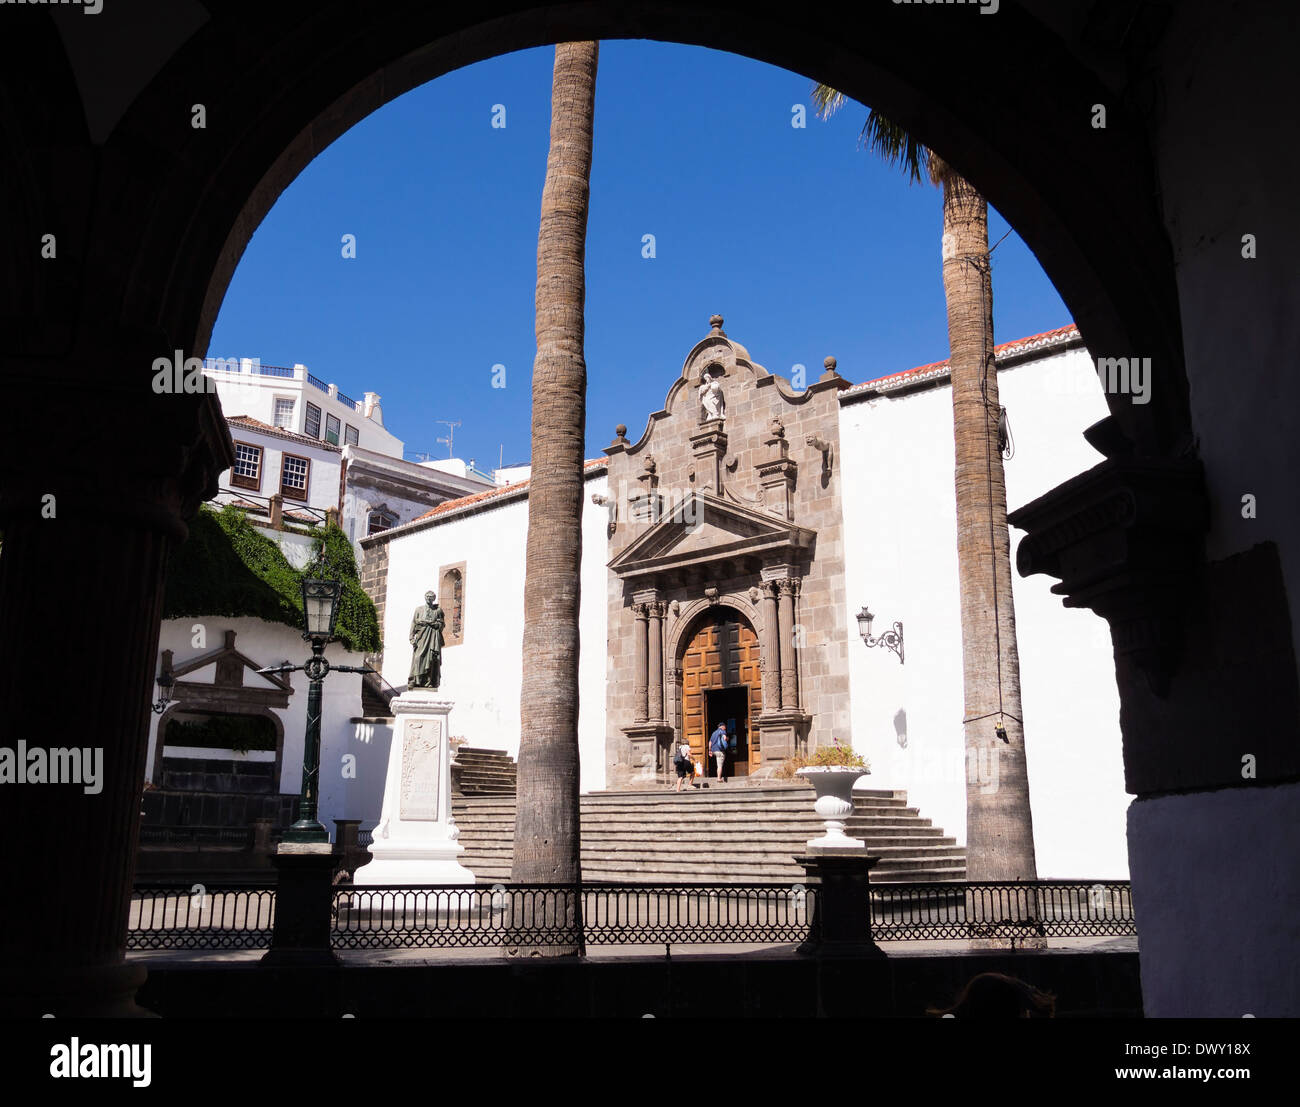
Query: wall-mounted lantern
[{"x": 891, "y": 639}]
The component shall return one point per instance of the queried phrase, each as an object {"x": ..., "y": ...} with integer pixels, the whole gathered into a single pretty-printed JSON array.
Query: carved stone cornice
[{"x": 1125, "y": 540}]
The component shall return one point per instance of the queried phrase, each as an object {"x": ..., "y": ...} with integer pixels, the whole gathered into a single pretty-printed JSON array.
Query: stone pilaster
[
  {"x": 655, "y": 670},
  {"x": 709, "y": 445},
  {"x": 771, "y": 648},
  {"x": 777, "y": 472},
  {"x": 640, "y": 644},
  {"x": 788, "y": 588}
]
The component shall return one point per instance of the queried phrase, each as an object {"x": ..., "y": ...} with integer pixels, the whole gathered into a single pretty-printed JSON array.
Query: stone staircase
[
  {"x": 485, "y": 772},
  {"x": 722, "y": 835}
]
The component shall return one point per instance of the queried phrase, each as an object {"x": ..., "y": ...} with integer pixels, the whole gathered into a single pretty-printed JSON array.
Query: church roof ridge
[
  {"x": 1060, "y": 336},
  {"x": 495, "y": 493}
]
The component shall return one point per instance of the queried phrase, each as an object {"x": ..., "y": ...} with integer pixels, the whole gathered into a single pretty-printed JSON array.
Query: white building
[
  {"x": 846, "y": 490},
  {"x": 303, "y": 451},
  {"x": 301, "y": 439}
]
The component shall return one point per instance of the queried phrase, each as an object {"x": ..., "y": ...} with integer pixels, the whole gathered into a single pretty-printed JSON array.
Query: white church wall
[
  {"x": 901, "y": 538},
  {"x": 1067, "y": 668},
  {"x": 271, "y": 644},
  {"x": 900, "y": 544},
  {"x": 483, "y": 674}
]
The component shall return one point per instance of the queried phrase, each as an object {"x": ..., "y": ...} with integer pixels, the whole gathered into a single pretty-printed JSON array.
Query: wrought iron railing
[
  {"x": 201, "y": 916},
  {"x": 507, "y": 914},
  {"x": 504, "y": 915},
  {"x": 347, "y": 401},
  {"x": 262, "y": 504},
  {"x": 1014, "y": 911},
  {"x": 318, "y": 383}
]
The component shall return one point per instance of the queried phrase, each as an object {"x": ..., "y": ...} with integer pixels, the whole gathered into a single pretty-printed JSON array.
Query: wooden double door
[{"x": 722, "y": 682}]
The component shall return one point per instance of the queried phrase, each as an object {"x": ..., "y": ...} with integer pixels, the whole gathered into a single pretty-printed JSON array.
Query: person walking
[
  {"x": 685, "y": 766},
  {"x": 718, "y": 747}
]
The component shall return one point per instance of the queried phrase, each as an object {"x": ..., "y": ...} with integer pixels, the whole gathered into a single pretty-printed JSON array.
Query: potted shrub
[{"x": 832, "y": 771}]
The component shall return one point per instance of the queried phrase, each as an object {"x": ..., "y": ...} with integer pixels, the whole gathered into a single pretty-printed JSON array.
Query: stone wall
[{"x": 374, "y": 579}]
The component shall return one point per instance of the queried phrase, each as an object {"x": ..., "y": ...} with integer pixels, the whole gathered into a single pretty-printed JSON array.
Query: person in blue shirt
[{"x": 718, "y": 747}]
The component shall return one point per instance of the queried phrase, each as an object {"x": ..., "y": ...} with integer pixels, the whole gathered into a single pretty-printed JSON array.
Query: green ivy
[
  {"x": 227, "y": 567},
  {"x": 240, "y": 733}
]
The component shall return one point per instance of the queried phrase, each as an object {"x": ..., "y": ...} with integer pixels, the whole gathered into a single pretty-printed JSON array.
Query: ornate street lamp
[
  {"x": 320, "y": 605},
  {"x": 165, "y": 682},
  {"x": 891, "y": 639}
]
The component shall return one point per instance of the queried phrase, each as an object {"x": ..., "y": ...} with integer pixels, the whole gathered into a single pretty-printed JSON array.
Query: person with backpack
[
  {"x": 718, "y": 747},
  {"x": 685, "y": 766}
]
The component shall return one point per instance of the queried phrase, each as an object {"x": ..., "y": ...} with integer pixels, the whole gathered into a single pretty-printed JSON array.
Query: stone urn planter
[{"x": 834, "y": 787}]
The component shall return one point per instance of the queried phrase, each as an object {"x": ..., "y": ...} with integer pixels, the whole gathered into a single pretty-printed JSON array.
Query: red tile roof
[
  {"x": 935, "y": 368},
  {"x": 494, "y": 493},
  {"x": 280, "y": 432}
]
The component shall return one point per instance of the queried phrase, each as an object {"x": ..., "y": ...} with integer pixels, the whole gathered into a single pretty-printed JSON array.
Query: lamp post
[
  {"x": 164, "y": 682},
  {"x": 320, "y": 604},
  {"x": 891, "y": 639}
]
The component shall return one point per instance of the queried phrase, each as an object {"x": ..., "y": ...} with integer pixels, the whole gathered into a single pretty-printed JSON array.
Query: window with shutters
[
  {"x": 284, "y": 413},
  {"x": 247, "y": 470},
  {"x": 312, "y": 427},
  {"x": 294, "y": 473}
]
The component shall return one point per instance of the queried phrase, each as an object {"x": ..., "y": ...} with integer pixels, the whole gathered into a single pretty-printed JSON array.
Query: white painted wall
[
  {"x": 249, "y": 392},
  {"x": 483, "y": 675},
  {"x": 1216, "y": 891},
  {"x": 901, "y": 538},
  {"x": 270, "y": 644},
  {"x": 297, "y": 548},
  {"x": 322, "y": 477}
]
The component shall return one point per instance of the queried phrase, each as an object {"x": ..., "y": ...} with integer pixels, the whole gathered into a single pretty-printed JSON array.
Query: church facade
[{"x": 728, "y": 550}]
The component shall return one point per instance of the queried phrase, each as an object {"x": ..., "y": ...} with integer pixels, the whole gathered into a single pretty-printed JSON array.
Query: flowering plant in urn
[{"x": 832, "y": 771}]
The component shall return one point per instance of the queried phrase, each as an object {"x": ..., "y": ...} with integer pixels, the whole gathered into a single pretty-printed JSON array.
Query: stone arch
[
  {"x": 692, "y": 614},
  {"x": 1097, "y": 233},
  {"x": 178, "y": 707}
]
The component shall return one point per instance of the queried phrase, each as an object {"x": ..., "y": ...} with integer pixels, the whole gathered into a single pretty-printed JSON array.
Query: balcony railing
[
  {"x": 318, "y": 383},
  {"x": 170, "y": 916},
  {"x": 262, "y": 505},
  {"x": 348, "y": 401}
]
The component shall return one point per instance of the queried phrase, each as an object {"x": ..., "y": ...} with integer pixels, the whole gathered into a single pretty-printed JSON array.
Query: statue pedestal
[{"x": 415, "y": 841}]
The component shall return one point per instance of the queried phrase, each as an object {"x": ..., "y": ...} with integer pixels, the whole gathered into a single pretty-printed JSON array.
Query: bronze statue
[{"x": 426, "y": 640}]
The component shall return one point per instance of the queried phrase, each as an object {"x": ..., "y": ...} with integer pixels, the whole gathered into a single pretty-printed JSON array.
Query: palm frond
[
  {"x": 883, "y": 137},
  {"x": 895, "y": 145},
  {"x": 826, "y": 100}
]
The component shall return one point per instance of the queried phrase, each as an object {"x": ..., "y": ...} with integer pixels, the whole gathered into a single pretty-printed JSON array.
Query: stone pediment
[
  {"x": 703, "y": 529},
  {"x": 226, "y": 676}
]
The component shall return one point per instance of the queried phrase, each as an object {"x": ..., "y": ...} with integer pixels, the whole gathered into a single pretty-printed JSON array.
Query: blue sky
[{"x": 807, "y": 245}]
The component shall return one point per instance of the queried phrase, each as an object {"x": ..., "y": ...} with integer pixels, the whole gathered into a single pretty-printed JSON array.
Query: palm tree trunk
[
  {"x": 999, "y": 826},
  {"x": 547, "y": 845}
]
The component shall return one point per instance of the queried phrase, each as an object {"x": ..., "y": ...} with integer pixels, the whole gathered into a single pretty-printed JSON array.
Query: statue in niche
[
  {"x": 426, "y": 643},
  {"x": 713, "y": 404}
]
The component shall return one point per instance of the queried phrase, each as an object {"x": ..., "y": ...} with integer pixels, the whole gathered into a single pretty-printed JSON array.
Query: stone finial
[
  {"x": 715, "y": 321},
  {"x": 776, "y": 428},
  {"x": 830, "y": 364},
  {"x": 649, "y": 463},
  {"x": 620, "y": 435}
]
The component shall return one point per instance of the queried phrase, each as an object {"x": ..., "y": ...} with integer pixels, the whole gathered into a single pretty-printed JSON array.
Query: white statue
[{"x": 712, "y": 401}]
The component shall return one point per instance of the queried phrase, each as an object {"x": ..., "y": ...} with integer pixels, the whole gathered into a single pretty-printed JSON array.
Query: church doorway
[
  {"x": 730, "y": 707},
  {"x": 722, "y": 682}
]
